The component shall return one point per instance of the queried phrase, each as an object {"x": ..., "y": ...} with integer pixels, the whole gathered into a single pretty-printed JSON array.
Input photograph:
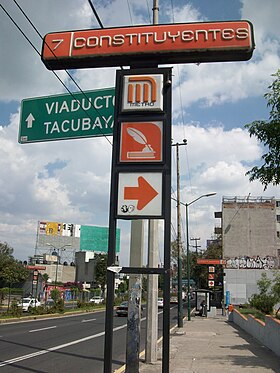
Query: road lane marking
[
  {"x": 55, "y": 348},
  {"x": 39, "y": 330},
  {"x": 87, "y": 320}
]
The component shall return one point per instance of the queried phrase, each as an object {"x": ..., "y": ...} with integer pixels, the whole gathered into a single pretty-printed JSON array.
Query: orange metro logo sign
[
  {"x": 154, "y": 44},
  {"x": 141, "y": 141},
  {"x": 142, "y": 92}
]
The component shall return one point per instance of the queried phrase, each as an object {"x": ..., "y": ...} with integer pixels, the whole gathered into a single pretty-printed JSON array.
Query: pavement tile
[{"x": 214, "y": 345}]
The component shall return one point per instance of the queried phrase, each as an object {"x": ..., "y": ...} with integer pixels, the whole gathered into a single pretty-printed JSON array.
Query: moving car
[
  {"x": 28, "y": 303},
  {"x": 122, "y": 309},
  {"x": 96, "y": 299},
  {"x": 160, "y": 302}
]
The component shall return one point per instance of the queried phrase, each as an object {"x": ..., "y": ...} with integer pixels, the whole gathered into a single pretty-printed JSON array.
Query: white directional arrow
[
  {"x": 114, "y": 269},
  {"x": 30, "y": 120}
]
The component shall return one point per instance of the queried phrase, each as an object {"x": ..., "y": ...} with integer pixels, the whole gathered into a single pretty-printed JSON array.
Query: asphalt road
[{"x": 64, "y": 344}]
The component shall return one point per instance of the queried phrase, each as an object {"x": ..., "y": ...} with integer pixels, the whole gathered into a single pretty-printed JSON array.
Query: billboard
[
  {"x": 96, "y": 238},
  {"x": 78, "y": 237}
]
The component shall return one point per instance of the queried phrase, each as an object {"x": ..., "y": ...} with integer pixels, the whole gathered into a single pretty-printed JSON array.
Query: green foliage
[
  {"x": 45, "y": 277},
  {"x": 248, "y": 310},
  {"x": 276, "y": 286},
  {"x": 11, "y": 270},
  {"x": 199, "y": 273},
  {"x": 262, "y": 302},
  {"x": 264, "y": 284},
  {"x": 268, "y": 294},
  {"x": 15, "y": 310},
  {"x": 267, "y": 132},
  {"x": 39, "y": 310},
  {"x": 55, "y": 295},
  {"x": 101, "y": 270},
  {"x": 80, "y": 304},
  {"x": 123, "y": 287},
  {"x": 58, "y": 301}
]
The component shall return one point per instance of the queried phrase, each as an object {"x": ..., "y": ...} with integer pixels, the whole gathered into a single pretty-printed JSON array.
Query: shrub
[
  {"x": 15, "y": 309},
  {"x": 263, "y": 302}
]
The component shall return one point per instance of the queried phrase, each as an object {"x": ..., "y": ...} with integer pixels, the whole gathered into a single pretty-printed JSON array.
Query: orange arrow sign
[{"x": 144, "y": 193}]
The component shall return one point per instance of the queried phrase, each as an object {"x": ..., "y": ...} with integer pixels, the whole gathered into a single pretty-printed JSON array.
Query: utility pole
[
  {"x": 196, "y": 246},
  {"x": 134, "y": 302},
  {"x": 179, "y": 241},
  {"x": 152, "y": 309}
]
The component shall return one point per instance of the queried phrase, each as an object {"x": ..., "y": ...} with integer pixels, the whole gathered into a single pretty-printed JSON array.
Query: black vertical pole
[
  {"x": 108, "y": 344},
  {"x": 167, "y": 236}
]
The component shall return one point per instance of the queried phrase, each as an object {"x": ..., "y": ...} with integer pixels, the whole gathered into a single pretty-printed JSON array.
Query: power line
[
  {"x": 149, "y": 14},
  {"x": 129, "y": 10},
  {"x": 55, "y": 74},
  {"x": 95, "y": 13}
]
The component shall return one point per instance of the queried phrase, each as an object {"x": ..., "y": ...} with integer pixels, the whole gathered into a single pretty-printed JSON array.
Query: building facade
[{"x": 250, "y": 229}]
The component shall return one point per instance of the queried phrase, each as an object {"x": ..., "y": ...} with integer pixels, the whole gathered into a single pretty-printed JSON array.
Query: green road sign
[{"x": 67, "y": 116}]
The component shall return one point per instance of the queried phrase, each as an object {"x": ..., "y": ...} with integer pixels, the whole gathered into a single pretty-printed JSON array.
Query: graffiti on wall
[{"x": 246, "y": 262}]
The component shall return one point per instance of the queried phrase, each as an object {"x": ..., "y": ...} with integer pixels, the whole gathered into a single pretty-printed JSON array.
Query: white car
[
  {"x": 28, "y": 303},
  {"x": 160, "y": 302},
  {"x": 96, "y": 300}
]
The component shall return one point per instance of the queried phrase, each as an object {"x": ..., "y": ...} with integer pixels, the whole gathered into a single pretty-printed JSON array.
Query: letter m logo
[
  {"x": 142, "y": 89},
  {"x": 142, "y": 92}
]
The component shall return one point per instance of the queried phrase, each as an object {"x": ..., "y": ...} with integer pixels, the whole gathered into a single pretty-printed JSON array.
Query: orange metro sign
[
  {"x": 151, "y": 44},
  {"x": 139, "y": 193},
  {"x": 141, "y": 142}
]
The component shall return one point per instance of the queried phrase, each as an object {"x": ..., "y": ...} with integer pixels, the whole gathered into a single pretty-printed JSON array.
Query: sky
[{"x": 69, "y": 181}]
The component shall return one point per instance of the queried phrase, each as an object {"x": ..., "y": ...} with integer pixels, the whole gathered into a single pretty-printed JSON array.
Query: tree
[
  {"x": 267, "y": 132},
  {"x": 276, "y": 289},
  {"x": 213, "y": 251},
  {"x": 11, "y": 270},
  {"x": 268, "y": 294},
  {"x": 5, "y": 249},
  {"x": 101, "y": 270}
]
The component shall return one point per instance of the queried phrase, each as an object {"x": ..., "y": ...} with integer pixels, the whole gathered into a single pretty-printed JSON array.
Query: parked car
[
  {"x": 96, "y": 299},
  {"x": 28, "y": 303},
  {"x": 122, "y": 309},
  {"x": 160, "y": 302}
]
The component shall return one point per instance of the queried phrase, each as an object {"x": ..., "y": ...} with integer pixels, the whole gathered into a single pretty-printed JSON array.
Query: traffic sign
[
  {"x": 67, "y": 116},
  {"x": 140, "y": 194}
]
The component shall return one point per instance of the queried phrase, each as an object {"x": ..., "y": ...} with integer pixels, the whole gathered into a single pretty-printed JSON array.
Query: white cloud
[
  {"x": 24, "y": 74},
  {"x": 70, "y": 180},
  {"x": 264, "y": 17},
  {"x": 218, "y": 83}
]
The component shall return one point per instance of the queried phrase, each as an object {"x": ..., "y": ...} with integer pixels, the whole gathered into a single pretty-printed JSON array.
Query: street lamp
[
  {"x": 58, "y": 249},
  {"x": 188, "y": 248}
]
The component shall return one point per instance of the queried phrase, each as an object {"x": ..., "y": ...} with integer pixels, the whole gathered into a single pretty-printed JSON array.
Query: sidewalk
[{"x": 214, "y": 345}]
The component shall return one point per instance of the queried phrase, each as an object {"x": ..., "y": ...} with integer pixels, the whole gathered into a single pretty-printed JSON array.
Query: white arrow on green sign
[{"x": 67, "y": 116}]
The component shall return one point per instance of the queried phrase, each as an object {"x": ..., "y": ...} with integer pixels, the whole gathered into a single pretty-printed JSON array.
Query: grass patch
[{"x": 251, "y": 311}]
